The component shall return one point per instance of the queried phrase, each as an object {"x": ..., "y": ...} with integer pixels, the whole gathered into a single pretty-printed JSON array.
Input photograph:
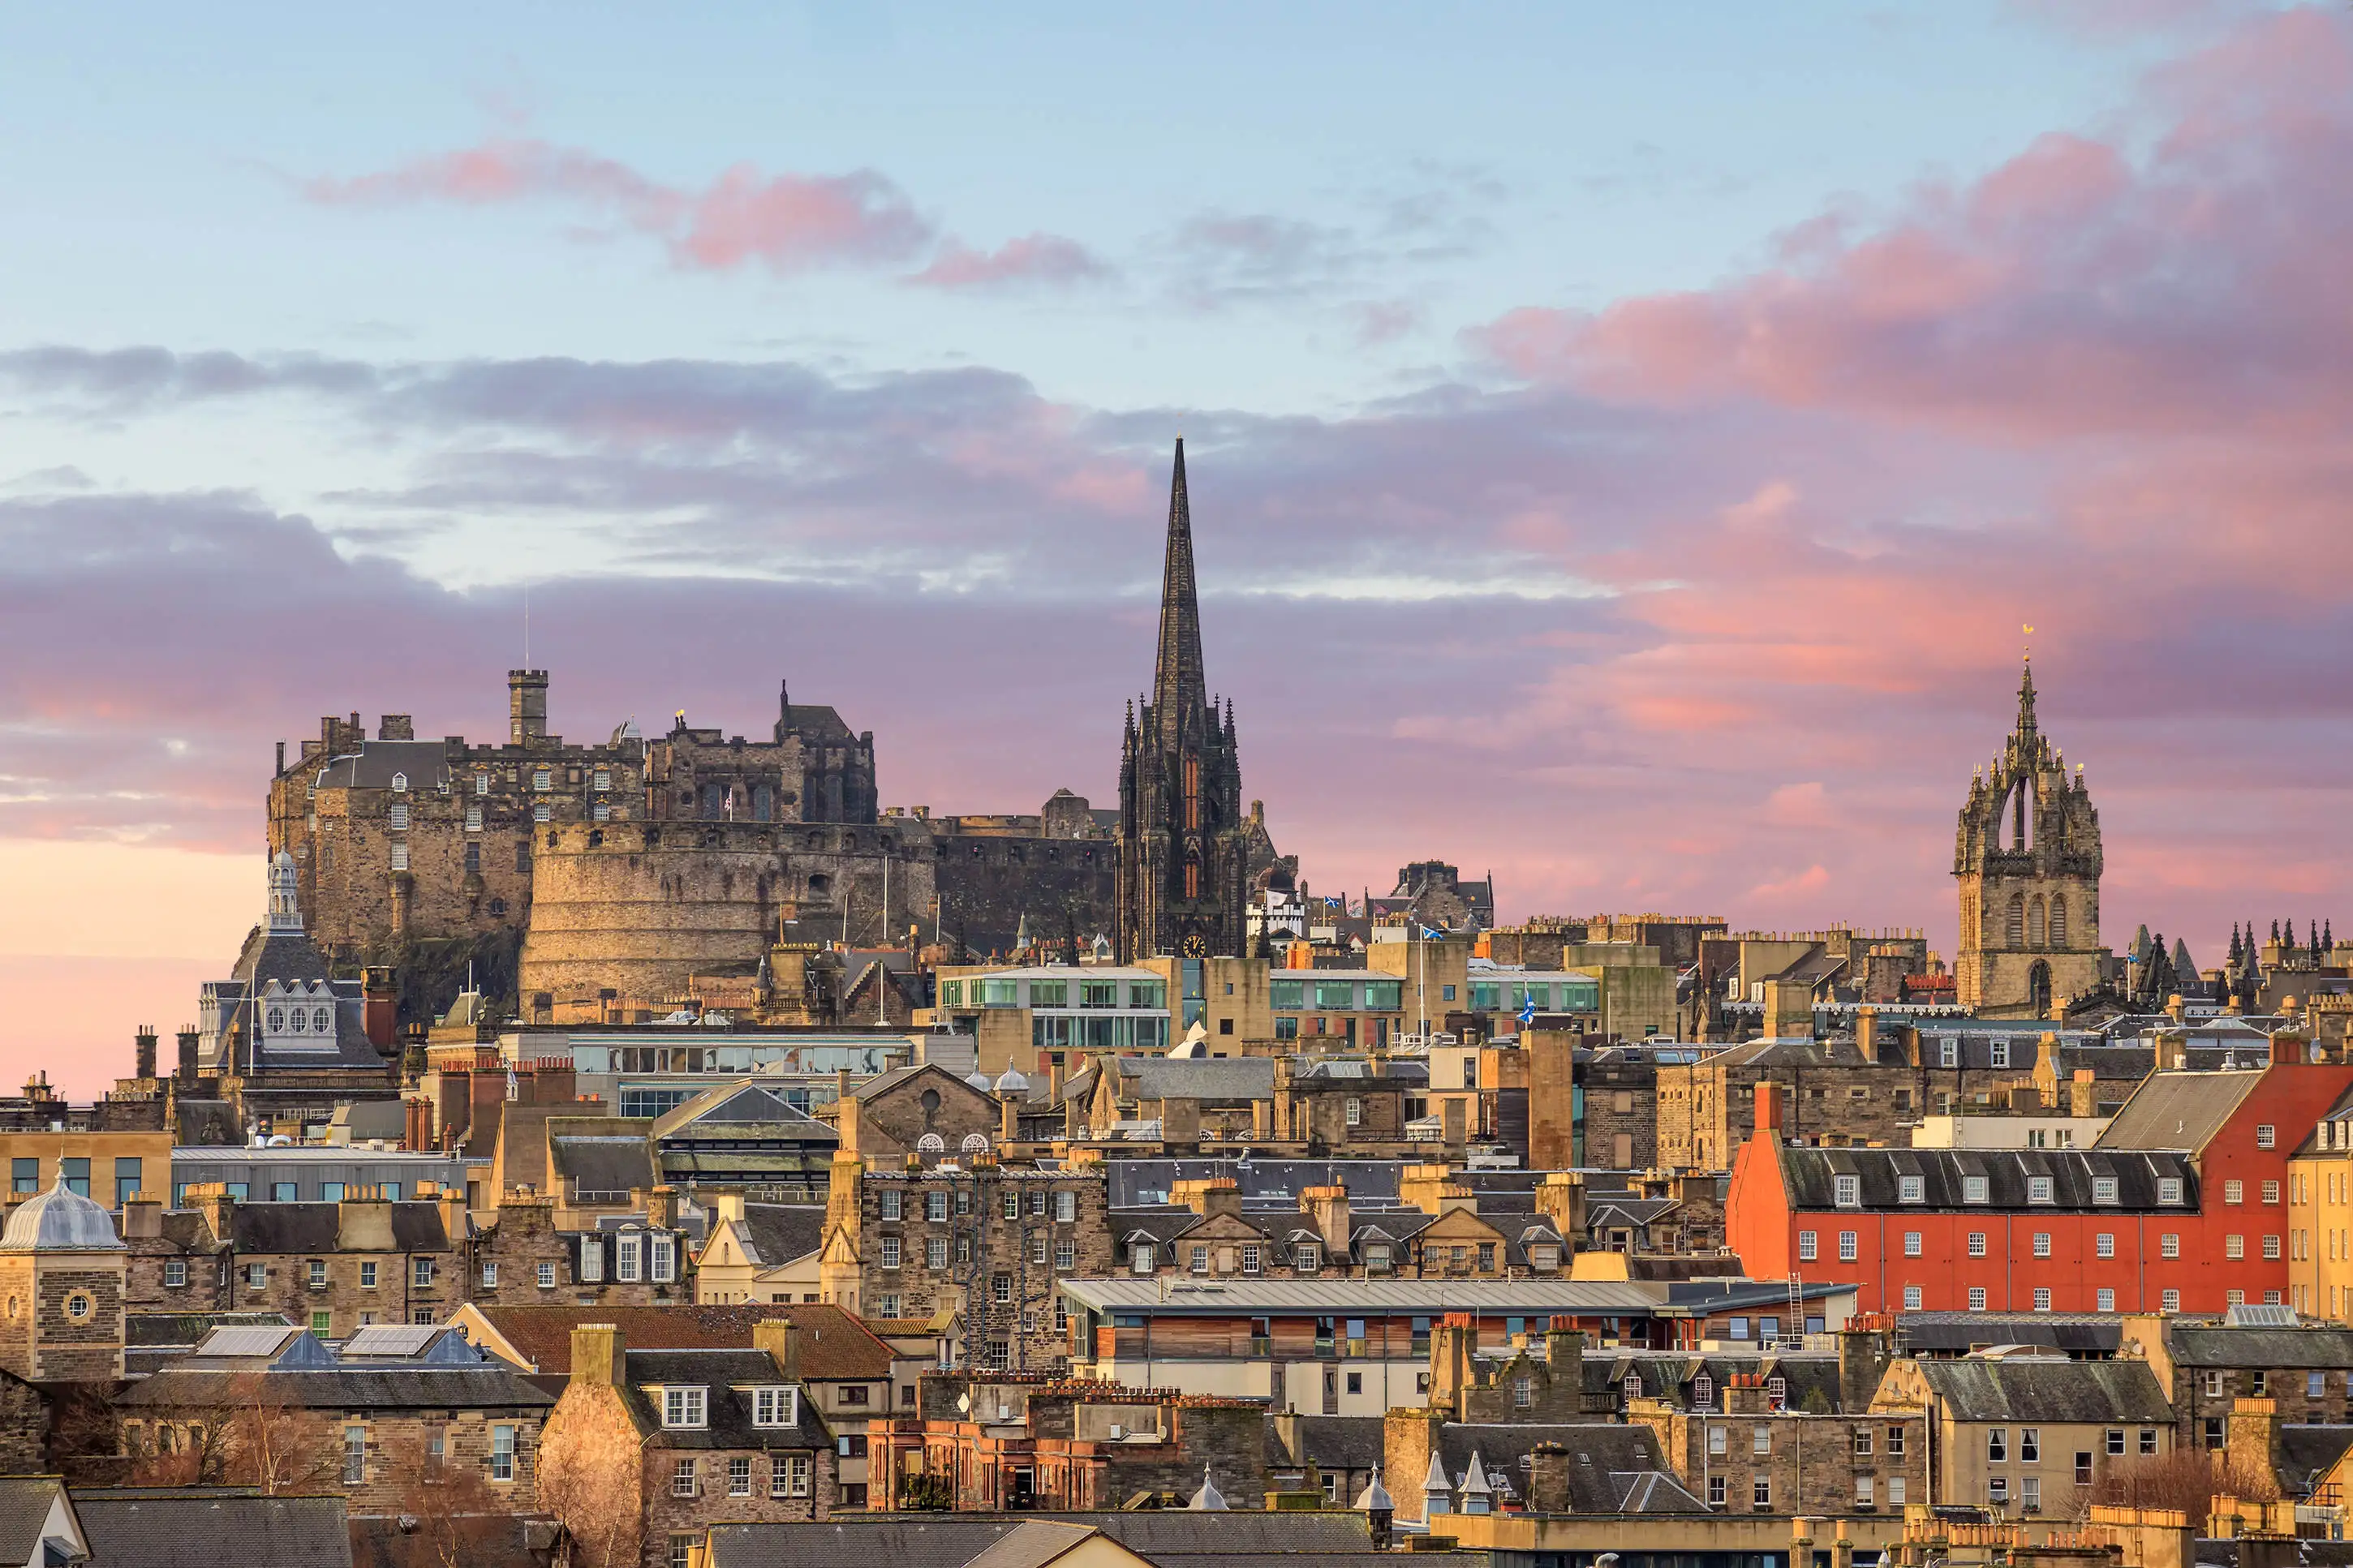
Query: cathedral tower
[
  {"x": 2028, "y": 860},
  {"x": 1183, "y": 843}
]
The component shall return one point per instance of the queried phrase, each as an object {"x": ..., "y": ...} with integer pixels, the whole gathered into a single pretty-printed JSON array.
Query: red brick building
[{"x": 2179, "y": 1207}]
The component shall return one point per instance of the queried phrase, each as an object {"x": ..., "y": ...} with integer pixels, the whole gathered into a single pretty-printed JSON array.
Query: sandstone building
[{"x": 2027, "y": 857}]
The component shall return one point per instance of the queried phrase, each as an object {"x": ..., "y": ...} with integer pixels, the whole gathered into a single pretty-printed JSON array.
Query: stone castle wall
[{"x": 638, "y": 906}]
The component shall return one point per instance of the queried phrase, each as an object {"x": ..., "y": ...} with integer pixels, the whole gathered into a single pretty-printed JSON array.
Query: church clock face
[{"x": 1196, "y": 945}]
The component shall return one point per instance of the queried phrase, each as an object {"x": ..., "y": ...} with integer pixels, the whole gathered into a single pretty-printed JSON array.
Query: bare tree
[
  {"x": 446, "y": 1507},
  {"x": 2187, "y": 1480},
  {"x": 236, "y": 1429},
  {"x": 590, "y": 1478}
]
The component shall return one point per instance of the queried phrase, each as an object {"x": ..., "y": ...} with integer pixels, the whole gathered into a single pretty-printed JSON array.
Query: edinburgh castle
[{"x": 568, "y": 874}]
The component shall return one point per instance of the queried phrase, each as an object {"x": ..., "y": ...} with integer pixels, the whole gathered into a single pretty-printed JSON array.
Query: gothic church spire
[{"x": 1179, "y": 687}]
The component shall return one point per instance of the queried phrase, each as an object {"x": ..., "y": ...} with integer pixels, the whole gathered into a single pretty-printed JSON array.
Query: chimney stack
[
  {"x": 598, "y": 1355},
  {"x": 145, "y": 1052},
  {"x": 781, "y": 1338},
  {"x": 380, "y": 1009},
  {"x": 187, "y": 1073},
  {"x": 1769, "y": 1109}
]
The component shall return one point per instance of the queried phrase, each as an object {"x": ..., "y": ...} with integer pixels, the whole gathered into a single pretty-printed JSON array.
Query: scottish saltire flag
[{"x": 1527, "y": 1009}]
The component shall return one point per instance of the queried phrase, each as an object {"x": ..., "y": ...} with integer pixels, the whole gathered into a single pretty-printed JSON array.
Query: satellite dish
[{"x": 964, "y": 1404}]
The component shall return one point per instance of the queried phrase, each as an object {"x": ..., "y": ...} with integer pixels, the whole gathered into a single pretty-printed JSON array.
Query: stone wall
[{"x": 667, "y": 1515}]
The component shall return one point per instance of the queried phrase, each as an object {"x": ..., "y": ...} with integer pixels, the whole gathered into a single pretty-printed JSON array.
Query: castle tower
[
  {"x": 2027, "y": 857},
  {"x": 61, "y": 1273},
  {"x": 1183, "y": 880}
]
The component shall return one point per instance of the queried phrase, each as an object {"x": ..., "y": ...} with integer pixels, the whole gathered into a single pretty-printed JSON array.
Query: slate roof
[
  {"x": 742, "y": 1110},
  {"x": 1956, "y": 1334},
  {"x": 2325, "y": 1347},
  {"x": 24, "y": 1505},
  {"x": 1259, "y": 1181},
  {"x": 1809, "y": 1175},
  {"x": 427, "y": 763},
  {"x": 204, "y": 1527},
  {"x": 1217, "y": 1078},
  {"x": 2078, "y": 1392},
  {"x": 373, "y": 1387},
  {"x": 273, "y": 1228},
  {"x": 833, "y": 1344},
  {"x": 2308, "y": 1453},
  {"x": 1596, "y": 1451},
  {"x": 1332, "y": 1442},
  {"x": 1167, "y": 1537},
  {"x": 728, "y": 1377},
  {"x": 602, "y": 1163},
  {"x": 483, "y": 1540},
  {"x": 2177, "y": 1110},
  {"x": 778, "y": 1233}
]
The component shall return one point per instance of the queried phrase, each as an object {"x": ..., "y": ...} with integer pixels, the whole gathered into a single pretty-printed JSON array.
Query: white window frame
[{"x": 686, "y": 1407}]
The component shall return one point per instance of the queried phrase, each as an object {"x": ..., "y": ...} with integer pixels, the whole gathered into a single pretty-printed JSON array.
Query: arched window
[
  {"x": 2035, "y": 927},
  {"x": 1192, "y": 878},
  {"x": 2037, "y": 989},
  {"x": 2017, "y": 932},
  {"x": 2059, "y": 922}
]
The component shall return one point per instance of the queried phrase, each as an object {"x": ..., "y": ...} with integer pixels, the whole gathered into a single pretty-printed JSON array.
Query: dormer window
[
  {"x": 1973, "y": 1189},
  {"x": 1140, "y": 1257},
  {"x": 2001, "y": 1053},
  {"x": 1847, "y": 1192},
  {"x": 776, "y": 1406},
  {"x": 1633, "y": 1385},
  {"x": 1703, "y": 1390},
  {"x": 1912, "y": 1189},
  {"x": 683, "y": 1407},
  {"x": 1307, "y": 1257},
  {"x": 2104, "y": 1189},
  {"x": 625, "y": 1261},
  {"x": 2038, "y": 1189},
  {"x": 1948, "y": 1052},
  {"x": 400, "y": 783},
  {"x": 2169, "y": 1189}
]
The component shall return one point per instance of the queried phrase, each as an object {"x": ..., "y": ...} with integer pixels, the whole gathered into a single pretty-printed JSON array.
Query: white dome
[
  {"x": 1010, "y": 1081},
  {"x": 979, "y": 1079},
  {"x": 60, "y": 1220},
  {"x": 1209, "y": 1499}
]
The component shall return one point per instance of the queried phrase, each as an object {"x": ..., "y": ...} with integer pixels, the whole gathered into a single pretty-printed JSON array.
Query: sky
[{"x": 1626, "y": 443}]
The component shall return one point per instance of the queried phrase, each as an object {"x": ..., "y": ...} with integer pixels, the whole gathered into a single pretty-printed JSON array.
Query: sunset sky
[{"x": 1625, "y": 442}]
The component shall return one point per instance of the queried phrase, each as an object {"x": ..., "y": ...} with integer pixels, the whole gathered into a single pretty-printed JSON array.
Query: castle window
[
  {"x": 497, "y": 907},
  {"x": 473, "y": 858},
  {"x": 542, "y": 780},
  {"x": 473, "y": 819},
  {"x": 481, "y": 784},
  {"x": 2035, "y": 926},
  {"x": 603, "y": 780},
  {"x": 541, "y": 812},
  {"x": 600, "y": 812},
  {"x": 764, "y": 803},
  {"x": 2017, "y": 932},
  {"x": 2058, "y": 922},
  {"x": 713, "y": 802},
  {"x": 522, "y": 854},
  {"x": 400, "y": 856},
  {"x": 398, "y": 817}
]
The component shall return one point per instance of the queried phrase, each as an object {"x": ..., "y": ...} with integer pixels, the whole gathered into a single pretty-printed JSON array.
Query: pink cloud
[
  {"x": 788, "y": 221},
  {"x": 1032, "y": 259},
  {"x": 2083, "y": 289}
]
